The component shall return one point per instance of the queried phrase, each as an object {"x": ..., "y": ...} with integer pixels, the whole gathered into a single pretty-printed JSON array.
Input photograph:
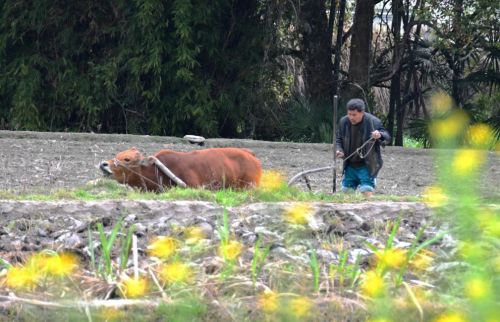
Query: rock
[
  {"x": 194, "y": 139},
  {"x": 130, "y": 218},
  {"x": 139, "y": 229},
  {"x": 265, "y": 232},
  {"x": 326, "y": 255},
  {"x": 42, "y": 232},
  {"x": 206, "y": 229},
  {"x": 284, "y": 253},
  {"x": 70, "y": 240},
  {"x": 356, "y": 253}
]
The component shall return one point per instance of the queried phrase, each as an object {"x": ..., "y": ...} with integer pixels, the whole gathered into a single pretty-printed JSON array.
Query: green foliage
[
  {"x": 412, "y": 142},
  {"x": 306, "y": 122},
  {"x": 258, "y": 259},
  {"x": 103, "y": 264},
  {"x": 188, "y": 309},
  {"x": 111, "y": 190},
  {"x": 145, "y": 66},
  {"x": 315, "y": 269}
]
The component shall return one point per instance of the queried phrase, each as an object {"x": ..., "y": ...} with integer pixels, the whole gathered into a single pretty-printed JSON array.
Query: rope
[
  {"x": 362, "y": 155},
  {"x": 159, "y": 165},
  {"x": 359, "y": 150}
]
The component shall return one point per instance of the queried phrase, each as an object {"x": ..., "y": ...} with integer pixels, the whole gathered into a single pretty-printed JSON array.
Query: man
[{"x": 361, "y": 165}]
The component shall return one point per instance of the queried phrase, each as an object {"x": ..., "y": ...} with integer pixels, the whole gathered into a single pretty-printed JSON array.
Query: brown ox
[{"x": 210, "y": 168}]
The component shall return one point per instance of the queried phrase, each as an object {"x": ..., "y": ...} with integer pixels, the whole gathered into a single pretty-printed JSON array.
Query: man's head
[{"x": 355, "y": 110}]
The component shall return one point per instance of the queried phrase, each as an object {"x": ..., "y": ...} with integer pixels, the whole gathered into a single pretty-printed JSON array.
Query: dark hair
[{"x": 356, "y": 104}]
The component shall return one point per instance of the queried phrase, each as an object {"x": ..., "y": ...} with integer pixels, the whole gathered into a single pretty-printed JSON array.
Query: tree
[
  {"x": 358, "y": 79},
  {"x": 316, "y": 51}
]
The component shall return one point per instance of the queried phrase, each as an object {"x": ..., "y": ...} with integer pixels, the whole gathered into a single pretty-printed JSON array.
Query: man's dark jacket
[{"x": 370, "y": 123}]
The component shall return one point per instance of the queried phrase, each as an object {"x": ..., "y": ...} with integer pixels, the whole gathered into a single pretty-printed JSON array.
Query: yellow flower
[
  {"x": 60, "y": 264},
  {"x": 441, "y": 102},
  {"x": 496, "y": 263},
  {"x": 450, "y": 127},
  {"x": 477, "y": 288},
  {"x": 467, "y": 161},
  {"x": 472, "y": 250},
  {"x": 194, "y": 235},
  {"x": 392, "y": 258},
  {"x": 175, "y": 273},
  {"x": 480, "y": 135},
  {"x": 112, "y": 314},
  {"x": 434, "y": 196},
  {"x": 268, "y": 301},
  {"x": 272, "y": 180},
  {"x": 298, "y": 214},
  {"x": 300, "y": 306},
  {"x": 373, "y": 284},
  {"x": 19, "y": 277},
  {"x": 230, "y": 250},
  {"x": 133, "y": 288},
  {"x": 451, "y": 317},
  {"x": 163, "y": 247},
  {"x": 489, "y": 222},
  {"x": 422, "y": 260}
]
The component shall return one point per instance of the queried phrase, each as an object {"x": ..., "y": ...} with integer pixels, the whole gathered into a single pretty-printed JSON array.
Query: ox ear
[{"x": 146, "y": 162}]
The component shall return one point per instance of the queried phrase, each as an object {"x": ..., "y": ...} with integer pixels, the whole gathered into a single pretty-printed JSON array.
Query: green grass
[
  {"x": 409, "y": 142},
  {"x": 111, "y": 190}
]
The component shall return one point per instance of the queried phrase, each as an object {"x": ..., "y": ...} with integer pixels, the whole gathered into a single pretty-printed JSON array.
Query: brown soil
[{"x": 41, "y": 162}]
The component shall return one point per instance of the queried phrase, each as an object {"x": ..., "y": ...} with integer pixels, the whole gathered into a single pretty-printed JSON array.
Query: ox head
[{"x": 124, "y": 165}]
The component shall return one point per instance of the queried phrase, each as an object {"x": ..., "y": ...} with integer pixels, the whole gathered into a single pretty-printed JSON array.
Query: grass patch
[
  {"x": 111, "y": 190},
  {"x": 409, "y": 142}
]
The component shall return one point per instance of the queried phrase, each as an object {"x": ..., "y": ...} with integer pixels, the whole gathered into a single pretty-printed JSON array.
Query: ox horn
[{"x": 168, "y": 173}]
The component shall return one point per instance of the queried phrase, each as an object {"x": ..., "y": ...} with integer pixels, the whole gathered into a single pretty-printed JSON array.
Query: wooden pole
[{"x": 334, "y": 128}]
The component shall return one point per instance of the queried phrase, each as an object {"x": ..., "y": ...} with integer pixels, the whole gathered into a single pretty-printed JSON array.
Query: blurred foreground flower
[
  {"x": 298, "y": 214},
  {"x": 372, "y": 284},
  {"x": 163, "y": 247},
  {"x": 19, "y": 277},
  {"x": 451, "y": 317},
  {"x": 480, "y": 136},
  {"x": 449, "y": 128},
  {"x": 268, "y": 301},
  {"x": 175, "y": 273},
  {"x": 441, "y": 103},
  {"x": 59, "y": 264},
  {"x": 272, "y": 180},
  {"x": 434, "y": 196},
  {"x": 133, "y": 288},
  {"x": 489, "y": 223},
  {"x": 496, "y": 263},
  {"x": 300, "y": 306},
  {"x": 230, "y": 250},
  {"x": 473, "y": 250},
  {"x": 422, "y": 260},
  {"x": 467, "y": 162},
  {"x": 110, "y": 314},
  {"x": 392, "y": 258},
  {"x": 193, "y": 235},
  {"x": 477, "y": 288}
]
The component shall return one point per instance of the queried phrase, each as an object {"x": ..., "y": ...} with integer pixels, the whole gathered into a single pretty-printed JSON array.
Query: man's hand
[
  {"x": 339, "y": 154},
  {"x": 376, "y": 135}
]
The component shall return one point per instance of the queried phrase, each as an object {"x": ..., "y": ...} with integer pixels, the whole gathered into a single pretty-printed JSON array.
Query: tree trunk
[
  {"x": 338, "y": 47},
  {"x": 395, "y": 98},
  {"x": 458, "y": 67},
  {"x": 316, "y": 48},
  {"x": 358, "y": 83}
]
